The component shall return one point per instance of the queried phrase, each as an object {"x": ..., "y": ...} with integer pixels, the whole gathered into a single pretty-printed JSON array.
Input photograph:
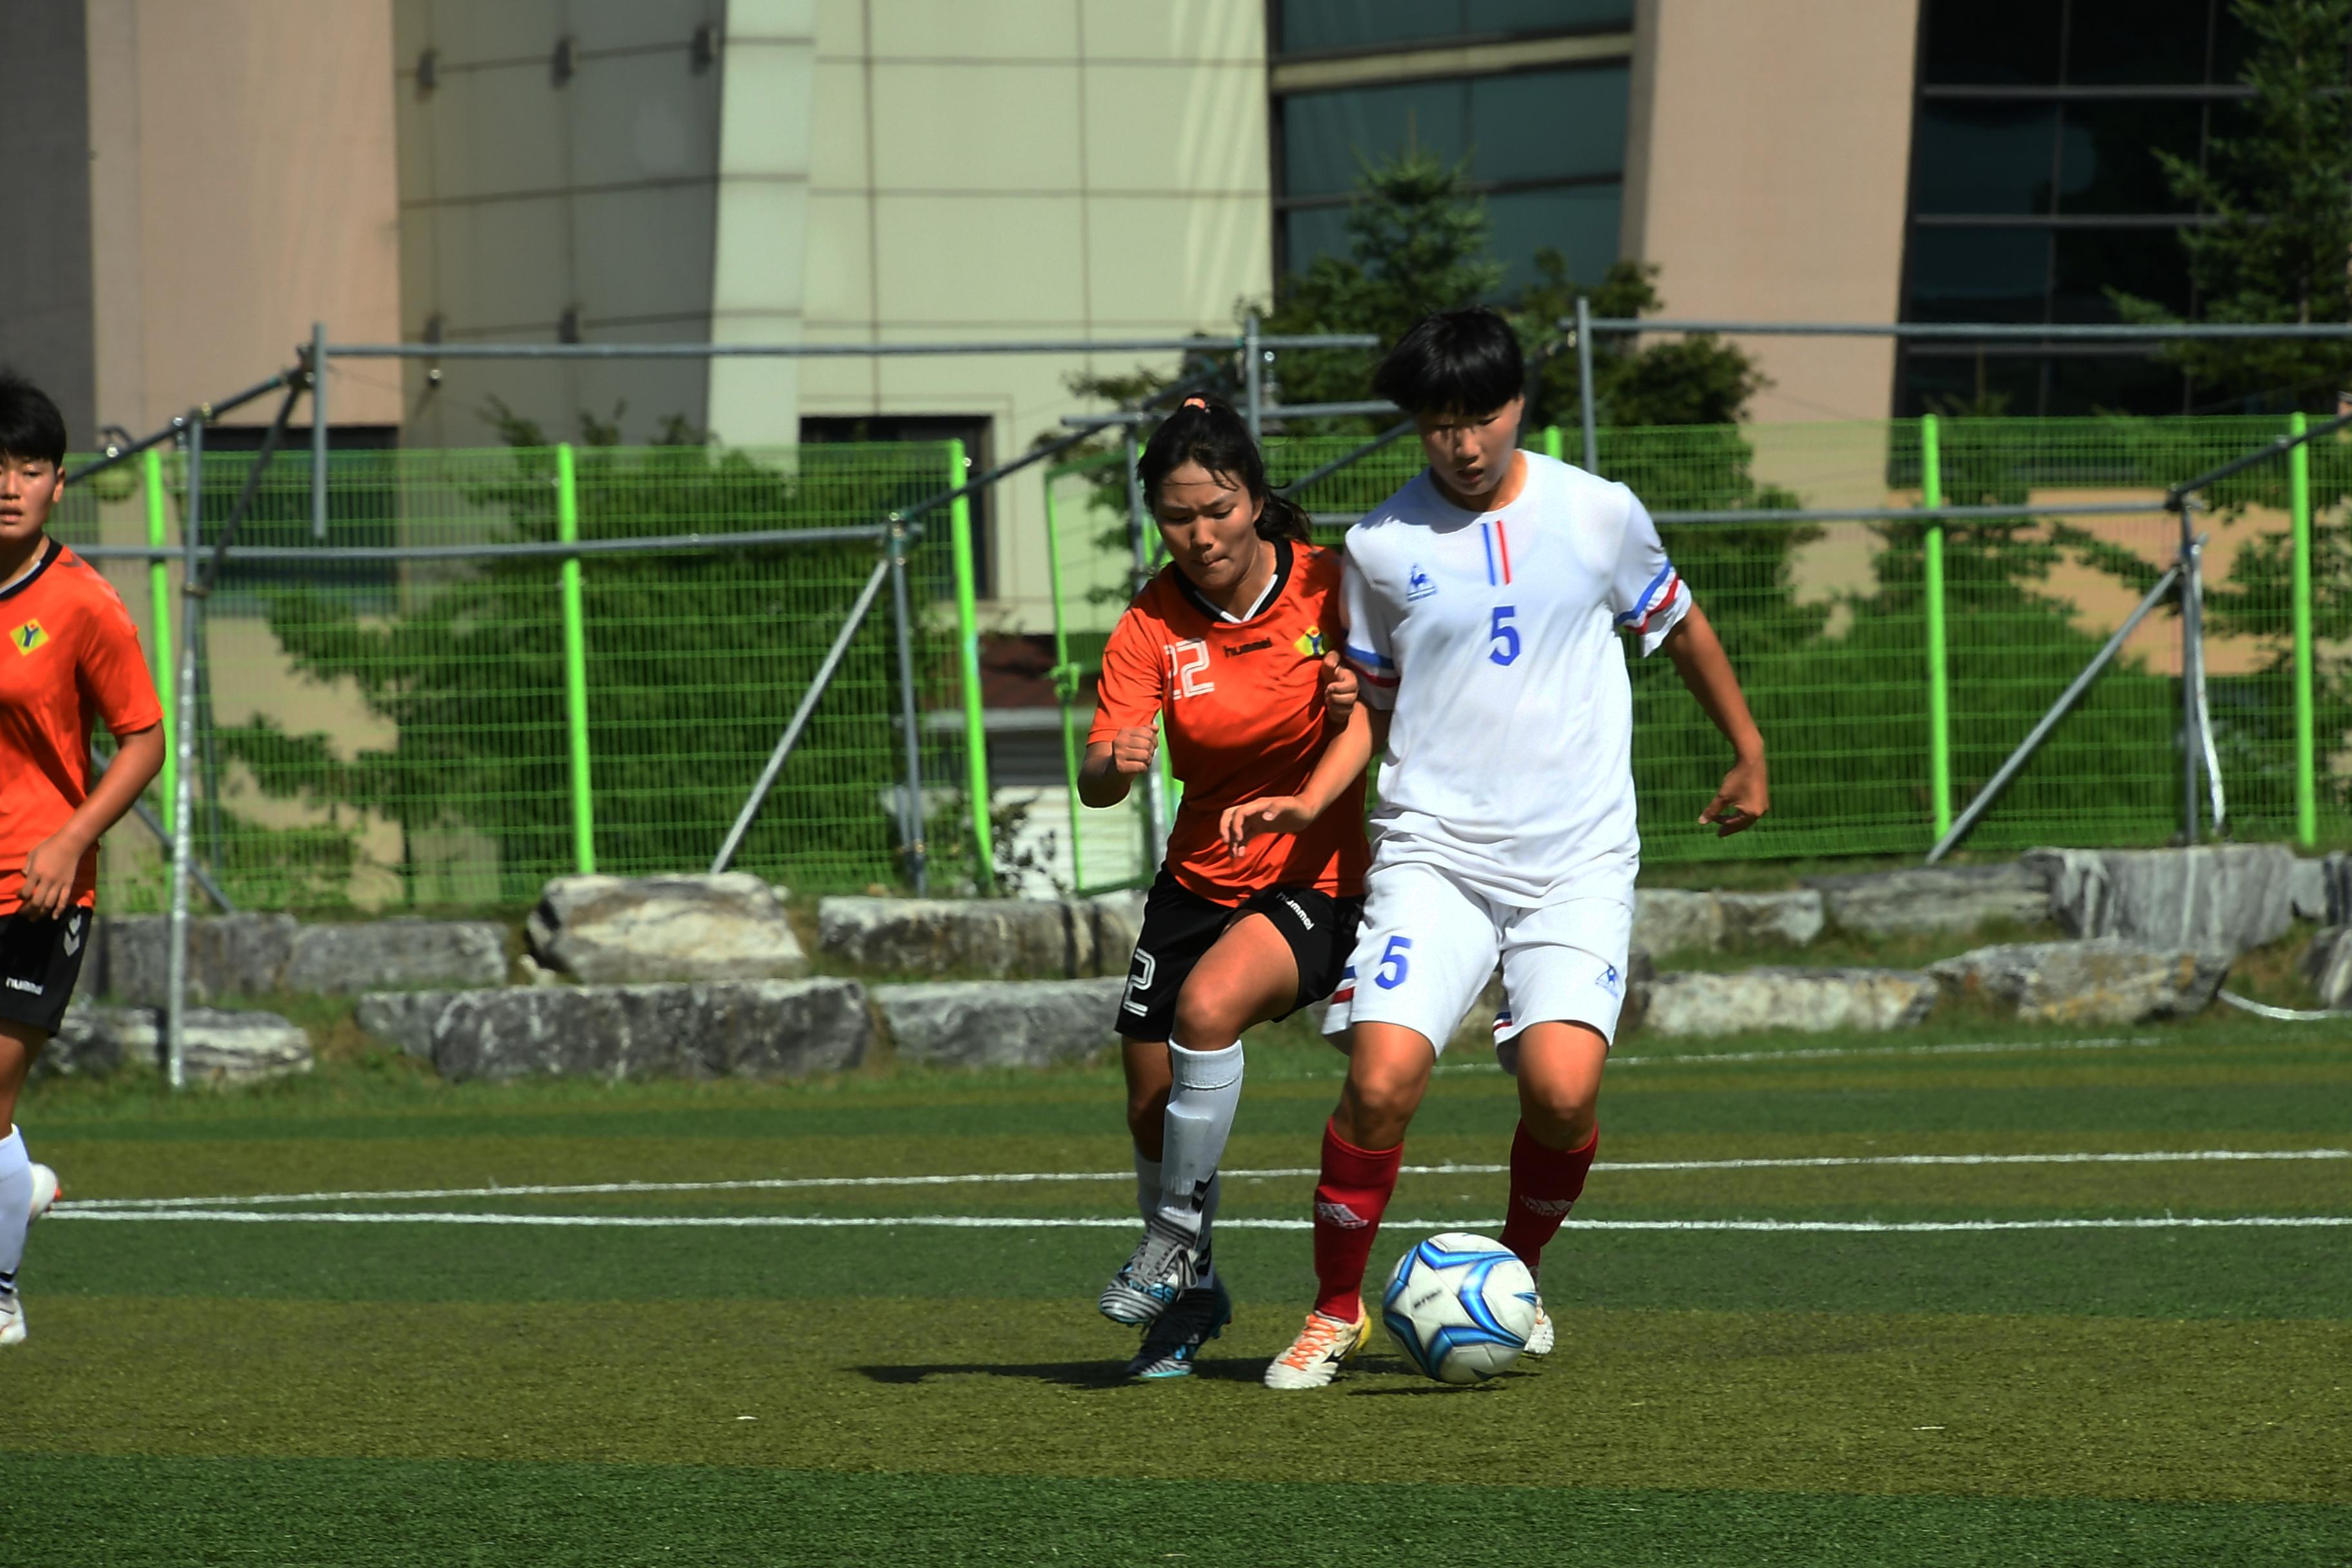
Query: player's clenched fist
[
  {"x": 1338, "y": 684},
  {"x": 1132, "y": 750}
]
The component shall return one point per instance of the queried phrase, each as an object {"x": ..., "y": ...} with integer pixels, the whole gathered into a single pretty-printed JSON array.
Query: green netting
[
  {"x": 397, "y": 733},
  {"x": 1826, "y": 622}
]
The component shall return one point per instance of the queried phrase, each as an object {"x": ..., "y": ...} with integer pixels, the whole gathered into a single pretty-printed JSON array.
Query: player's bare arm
[
  {"x": 50, "y": 865},
  {"x": 1699, "y": 658},
  {"x": 1112, "y": 766},
  {"x": 1343, "y": 762}
]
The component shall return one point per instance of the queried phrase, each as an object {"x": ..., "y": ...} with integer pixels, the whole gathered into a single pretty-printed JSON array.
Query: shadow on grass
[{"x": 1395, "y": 1374}]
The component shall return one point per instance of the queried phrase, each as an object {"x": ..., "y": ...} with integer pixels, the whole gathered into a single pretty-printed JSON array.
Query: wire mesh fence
[
  {"x": 395, "y": 733},
  {"x": 1827, "y": 622}
]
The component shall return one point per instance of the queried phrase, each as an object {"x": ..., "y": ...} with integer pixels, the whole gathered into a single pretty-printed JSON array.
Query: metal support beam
[
  {"x": 1587, "y": 413},
  {"x": 319, "y": 431}
]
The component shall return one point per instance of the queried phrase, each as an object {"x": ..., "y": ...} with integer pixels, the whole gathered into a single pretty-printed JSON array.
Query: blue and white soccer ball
[{"x": 1460, "y": 1305}]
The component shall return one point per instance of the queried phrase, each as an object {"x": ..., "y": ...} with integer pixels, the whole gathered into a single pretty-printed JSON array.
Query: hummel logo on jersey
[
  {"x": 1550, "y": 1208},
  {"x": 1239, "y": 648},
  {"x": 1419, "y": 583},
  {"x": 1611, "y": 981},
  {"x": 1340, "y": 1214},
  {"x": 16, "y": 984},
  {"x": 29, "y": 637},
  {"x": 1300, "y": 910}
]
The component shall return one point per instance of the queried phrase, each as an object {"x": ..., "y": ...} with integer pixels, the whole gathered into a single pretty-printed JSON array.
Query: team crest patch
[
  {"x": 1311, "y": 645},
  {"x": 29, "y": 638},
  {"x": 1419, "y": 585}
]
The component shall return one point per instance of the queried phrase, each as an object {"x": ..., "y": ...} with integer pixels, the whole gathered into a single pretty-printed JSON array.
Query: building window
[
  {"x": 2036, "y": 188},
  {"x": 1532, "y": 93}
]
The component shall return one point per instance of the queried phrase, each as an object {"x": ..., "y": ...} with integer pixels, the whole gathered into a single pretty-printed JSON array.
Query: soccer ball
[{"x": 1460, "y": 1305}]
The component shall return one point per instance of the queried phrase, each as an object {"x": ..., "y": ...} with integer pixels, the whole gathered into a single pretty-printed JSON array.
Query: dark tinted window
[
  {"x": 2107, "y": 157},
  {"x": 2011, "y": 43},
  {"x": 2148, "y": 263},
  {"x": 1979, "y": 274},
  {"x": 1322, "y": 26},
  {"x": 2115, "y": 43},
  {"x": 1991, "y": 158},
  {"x": 1580, "y": 222},
  {"x": 1329, "y": 137},
  {"x": 1547, "y": 124},
  {"x": 2105, "y": 383},
  {"x": 1545, "y": 16}
]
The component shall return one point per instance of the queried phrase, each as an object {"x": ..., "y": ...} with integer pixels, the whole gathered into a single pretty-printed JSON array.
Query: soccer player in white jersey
[{"x": 1485, "y": 602}]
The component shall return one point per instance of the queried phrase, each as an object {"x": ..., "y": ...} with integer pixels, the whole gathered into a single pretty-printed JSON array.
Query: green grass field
[{"x": 407, "y": 1367}]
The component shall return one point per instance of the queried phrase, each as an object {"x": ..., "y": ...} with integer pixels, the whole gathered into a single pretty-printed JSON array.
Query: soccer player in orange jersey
[
  {"x": 72, "y": 660},
  {"x": 1254, "y": 911}
]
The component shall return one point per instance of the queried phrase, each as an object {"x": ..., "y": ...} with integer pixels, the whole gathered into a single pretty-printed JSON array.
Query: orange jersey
[
  {"x": 1242, "y": 701},
  {"x": 73, "y": 659}
]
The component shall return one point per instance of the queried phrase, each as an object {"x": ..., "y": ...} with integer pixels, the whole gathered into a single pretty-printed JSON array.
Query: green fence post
[
  {"x": 159, "y": 603},
  {"x": 575, "y": 664},
  {"x": 1553, "y": 447},
  {"x": 2306, "y": 783},
  {"x": 1939, "y": 714},
  {"x": 975, "y": 731}
]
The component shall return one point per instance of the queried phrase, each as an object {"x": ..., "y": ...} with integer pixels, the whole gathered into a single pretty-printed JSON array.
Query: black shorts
[
  {"x": 1178, "y": 926},
  {"x": 40, "y": 959}
]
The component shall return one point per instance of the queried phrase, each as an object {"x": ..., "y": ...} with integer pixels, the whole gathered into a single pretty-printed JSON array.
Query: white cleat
[
  {"x": 1539, "y": 1338},
  {"x": 44, "y": 1191},
  {"x": 1322, "y": 1347},
  {"x": 11, "y": 1319}
]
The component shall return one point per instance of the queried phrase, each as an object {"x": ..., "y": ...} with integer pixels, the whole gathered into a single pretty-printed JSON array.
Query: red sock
[
  {"x": 1349, "y": 1202},
  {"x": 1544, "y": 1185}
]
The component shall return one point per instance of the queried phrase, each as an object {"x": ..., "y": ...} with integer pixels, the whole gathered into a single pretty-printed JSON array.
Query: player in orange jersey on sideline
[
  {"x": 72, "y": 660},
  {"x": 1253, "y": 913}
]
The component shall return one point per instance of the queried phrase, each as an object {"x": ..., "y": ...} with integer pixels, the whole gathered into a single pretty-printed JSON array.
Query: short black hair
[
  {"x": 30, "y": 425},
  {"x": 1454, "y": 361}
]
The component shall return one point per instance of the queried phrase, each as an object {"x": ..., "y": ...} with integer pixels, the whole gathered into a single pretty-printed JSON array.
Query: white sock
[
  {"x": 1147, "y": 1185},
  {"x": 16, "y": 1206},
  {"x": 1207, "y": 1088}
]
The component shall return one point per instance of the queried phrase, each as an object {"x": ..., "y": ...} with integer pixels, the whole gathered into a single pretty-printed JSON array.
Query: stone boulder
[
  {"x": 250, "y": 955},
  {"x": 1002, "y": 1022},
  {"x": 2328, "y": 965},
  {"x": 1933, "y": 900},
  {"x": 702, "y": 1029},
  {"x": 612, "y": 930},
  {"x": 1677, "y": 920},
  {"x": 2099, "y": 981},
  {"x": 2220, "y": 899},
  {"x": 221, "y": 1047},
  {"x": 1002, "y": 939},
  {"x": 1693, "y": 1003},
  {"x": 1790, "y": 919}
]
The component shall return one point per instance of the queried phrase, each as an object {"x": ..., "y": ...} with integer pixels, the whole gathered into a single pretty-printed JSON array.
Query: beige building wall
[
  {"x": 1057, "y": 169},
  {"x": 1768, "y": 157},
  {"x": 242, "y": 186}
]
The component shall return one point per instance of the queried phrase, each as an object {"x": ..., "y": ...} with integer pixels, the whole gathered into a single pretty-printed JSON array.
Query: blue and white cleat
[
  {"x": 1165, "y": 1264},
  {"x": 1199, "y": 1316}
]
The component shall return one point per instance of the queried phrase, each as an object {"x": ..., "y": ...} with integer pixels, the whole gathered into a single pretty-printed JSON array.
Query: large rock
[
  {"x": 1776, "y": 920},
  {"x": 2099, "y": 981},
  {"x": 610, "y": 930},
  {"x": 1692, "y": 1003},
  {"x": 1930, "y": 900},
  {"x": 2218, "y": 899},
  {"x": 228, "y": 955},
  {"x": 2328, "y": 965},
  {"x": 221, "y": 1047},
  {"x": 251, "y": 954},
  {"x": 1677, "y": 920},
  {"x": 1001, "y": 938},
  {"x": 751, "y": 1028},
  {"x": 1002, "y": 1022}
]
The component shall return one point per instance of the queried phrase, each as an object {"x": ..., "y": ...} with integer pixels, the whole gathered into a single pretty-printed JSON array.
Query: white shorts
[{"x": 1428, "y": 946}]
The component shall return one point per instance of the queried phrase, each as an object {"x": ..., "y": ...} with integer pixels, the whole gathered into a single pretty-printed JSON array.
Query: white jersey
[{"x": 1494, "y": 638}]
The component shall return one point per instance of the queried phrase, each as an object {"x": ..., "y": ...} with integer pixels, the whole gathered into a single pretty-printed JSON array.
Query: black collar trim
[
  {"x": 1217, "y": 614},
  {"x": 52, "y": 550}
]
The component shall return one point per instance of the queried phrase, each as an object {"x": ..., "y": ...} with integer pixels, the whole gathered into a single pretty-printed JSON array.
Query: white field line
[
  {"x": 92, "y": 1206},
  {"x": 1123, "y": 1222},
  {"x": 1823, "y": 1053}
]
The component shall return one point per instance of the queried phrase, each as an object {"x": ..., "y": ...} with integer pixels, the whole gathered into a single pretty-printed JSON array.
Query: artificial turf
[{"x": 421, "y": 1391}]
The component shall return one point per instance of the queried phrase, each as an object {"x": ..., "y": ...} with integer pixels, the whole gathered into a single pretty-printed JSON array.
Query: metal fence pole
[
  {"x": 1155, "y": 787},
  {"x": 1253, "y": 378},
  {"x": 975, "y": 726},
  {"x": 1584, "y": 394},
  {"x": 1939, "y": 712},
  {"x": 159, "y": 610},
  {"x": 575, "y": 664},
  {"x": 2306, "y": 781},
  {"x": 319, "y": 431},
  {"x": 184, "y": 848},
  {"x": 916, "y": 857}
]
